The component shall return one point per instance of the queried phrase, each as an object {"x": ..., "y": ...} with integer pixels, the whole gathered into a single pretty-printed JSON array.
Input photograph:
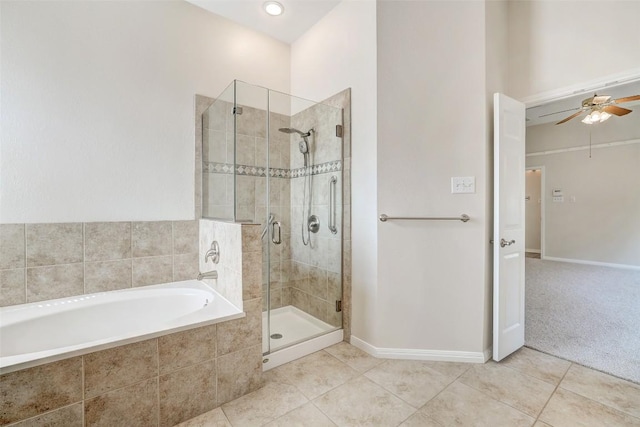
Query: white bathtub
[{"x": 36, "y": 333}]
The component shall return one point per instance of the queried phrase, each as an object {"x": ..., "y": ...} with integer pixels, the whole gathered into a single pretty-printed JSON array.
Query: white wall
[
  {"x": 556, "y": 44},
  {"x": 432, "y": 125},
  {"x": 337, "y": 53},
  {"x": 97, "y": 104},
  {"x": 602, "y": 224},
  {"x": 532, "y": 213}
]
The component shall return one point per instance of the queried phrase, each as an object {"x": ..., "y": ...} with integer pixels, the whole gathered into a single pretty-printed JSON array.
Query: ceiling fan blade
[
  {"x": 627, "y": 99},
  {"x": 618, "y": 111},
  {"x": 570, "y": 117}
]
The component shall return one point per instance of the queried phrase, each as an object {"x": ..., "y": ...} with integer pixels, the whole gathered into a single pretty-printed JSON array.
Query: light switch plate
[{"x": 463, "y": 184}]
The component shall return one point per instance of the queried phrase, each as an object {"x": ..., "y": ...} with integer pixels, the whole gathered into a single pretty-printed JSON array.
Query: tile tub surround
[
  {"x": 157, "y": 382},
  {"x": 240, "y": 265},
  {"x": 343, "y": 386},
  {"x": 47, "y": 261}
]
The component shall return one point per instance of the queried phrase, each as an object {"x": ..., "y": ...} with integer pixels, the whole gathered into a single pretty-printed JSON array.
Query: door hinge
[
  {"x": 339, "y": 131},
  {"x": 338, "y": 306},
  {"x": 237, "y": 110}
]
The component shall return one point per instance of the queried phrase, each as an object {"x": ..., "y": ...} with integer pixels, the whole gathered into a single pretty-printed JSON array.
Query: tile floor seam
[
  {"x": 401, "y": 398},
  {"x": 393, "y": 394},
  {"x": 503, "y": 403},
  {"x": 532, "y": 376},
  {"x": 288, "y": 412},
  {"x": 601, "y": 404},
  {"x": 323, "y": 413},
  {"x": 434, "y": 397},
  {"x": 598, "y": 402},
  {"x": 605, "y": 373},
  {"x": 410, "y": 415},
  {"x": 552, "y": 394}
]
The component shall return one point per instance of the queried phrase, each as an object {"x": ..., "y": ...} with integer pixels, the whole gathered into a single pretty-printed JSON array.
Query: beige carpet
[{"x": 586, "y": 314}]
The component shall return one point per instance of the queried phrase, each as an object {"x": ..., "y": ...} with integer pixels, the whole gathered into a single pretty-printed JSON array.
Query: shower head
[
  {"x": 302, "y": 145},
  {"x": 292, "y": 130}
]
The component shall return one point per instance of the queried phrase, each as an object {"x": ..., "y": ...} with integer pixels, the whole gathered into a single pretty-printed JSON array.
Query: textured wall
[{"x": 97, "y": 104}]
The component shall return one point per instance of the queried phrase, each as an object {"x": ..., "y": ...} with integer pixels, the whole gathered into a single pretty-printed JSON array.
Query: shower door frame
[{"x": 338, "y": 206}]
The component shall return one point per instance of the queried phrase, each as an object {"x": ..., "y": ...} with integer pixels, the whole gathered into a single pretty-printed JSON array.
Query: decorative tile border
[
  {"x": 228, "y": 168},
  {"x": 318, "y": 169}
]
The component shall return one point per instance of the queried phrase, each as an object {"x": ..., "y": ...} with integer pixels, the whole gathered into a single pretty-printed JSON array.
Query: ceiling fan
[{"x": 601, "y": 107}]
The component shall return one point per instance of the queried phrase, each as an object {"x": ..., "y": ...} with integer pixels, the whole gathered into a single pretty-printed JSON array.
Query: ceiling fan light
[
  {"x": 595, "y": 116},
  {"x": 587, "y": 120},
  {"x": 604, "y": 116}
]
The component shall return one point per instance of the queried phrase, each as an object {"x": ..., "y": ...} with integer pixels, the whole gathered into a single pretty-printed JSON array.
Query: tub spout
[{"x": 213, "y": 274}]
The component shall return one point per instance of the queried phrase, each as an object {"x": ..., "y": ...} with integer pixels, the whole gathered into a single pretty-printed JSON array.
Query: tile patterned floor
[{"x": 343, "y": 386}]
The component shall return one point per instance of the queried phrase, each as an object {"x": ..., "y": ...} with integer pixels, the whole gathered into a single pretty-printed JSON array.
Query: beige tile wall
[
  {"x": 316, "y": 269},
  {"x": 157, "y": 382},
  {"x": 48, "y": 261}
]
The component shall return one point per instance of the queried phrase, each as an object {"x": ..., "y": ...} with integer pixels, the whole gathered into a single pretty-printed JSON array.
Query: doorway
[
  {"x": 582, "y": 296},
  {"x": 534, "y": 211}
]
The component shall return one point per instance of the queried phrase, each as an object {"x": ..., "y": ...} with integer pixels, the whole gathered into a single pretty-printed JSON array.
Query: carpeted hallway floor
[{"x": 586, "y": 314}]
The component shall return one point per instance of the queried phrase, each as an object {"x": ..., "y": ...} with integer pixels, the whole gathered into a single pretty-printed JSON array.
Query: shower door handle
[
  {"x": 273, "y": 233},
  {"x": 332, "y": 205}
]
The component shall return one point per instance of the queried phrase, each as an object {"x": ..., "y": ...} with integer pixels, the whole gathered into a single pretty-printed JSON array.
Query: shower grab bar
[
  {"x": 332, "y": 205},
  {"x": 463, "y": 218}
]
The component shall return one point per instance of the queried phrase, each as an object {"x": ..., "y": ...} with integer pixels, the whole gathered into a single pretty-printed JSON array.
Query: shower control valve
[
  {"x": 213, "y": 253},
  {"x": 313, "y": 223}
]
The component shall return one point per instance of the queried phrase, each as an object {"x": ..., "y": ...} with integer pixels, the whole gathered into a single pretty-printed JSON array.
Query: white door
[{"x": 508, "y": 226}]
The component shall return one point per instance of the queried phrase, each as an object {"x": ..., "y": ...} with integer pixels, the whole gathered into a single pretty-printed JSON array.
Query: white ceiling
[
  {"x": 298, "y": 16},
  {"x": 558, "y": 110}
]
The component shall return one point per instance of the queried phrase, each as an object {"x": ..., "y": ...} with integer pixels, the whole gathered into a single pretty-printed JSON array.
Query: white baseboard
[
  {"x": 602, "y": 264},
  {"x": 488, "y": 354},
  {"x": 419, "y": 354},
  {"x": 535, "y": 251}
]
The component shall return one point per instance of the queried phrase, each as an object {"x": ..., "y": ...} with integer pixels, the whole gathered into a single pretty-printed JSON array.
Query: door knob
[{"x": 504, "y": 243}]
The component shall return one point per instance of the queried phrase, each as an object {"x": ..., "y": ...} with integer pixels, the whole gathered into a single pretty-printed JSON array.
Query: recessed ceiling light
[{"x": 273, "y": 8}]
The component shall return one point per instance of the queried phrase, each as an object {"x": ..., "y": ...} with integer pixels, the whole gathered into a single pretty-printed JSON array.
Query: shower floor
[{"x": 293, "y": 324}]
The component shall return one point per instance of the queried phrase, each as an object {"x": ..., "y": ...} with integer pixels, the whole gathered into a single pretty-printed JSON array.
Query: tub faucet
[{"x": 213, "y": 274}]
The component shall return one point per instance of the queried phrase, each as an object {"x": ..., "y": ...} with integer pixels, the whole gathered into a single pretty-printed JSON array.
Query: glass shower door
[
  {"x": 305, "y": 207},
  {"x": 276, "y": 160}
]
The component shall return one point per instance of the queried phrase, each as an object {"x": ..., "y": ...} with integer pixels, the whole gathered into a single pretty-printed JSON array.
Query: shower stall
[{"x": 276, "y": 160}]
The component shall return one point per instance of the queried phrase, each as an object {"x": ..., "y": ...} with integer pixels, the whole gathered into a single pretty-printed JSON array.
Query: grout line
[
  {"x": 502, "y": 402},
  {"x": 21, "y": 421},
  {"x": 528, "y": 375},
  {"x": 122, "y": 388},
  {"x": 552, "y": 394}
]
